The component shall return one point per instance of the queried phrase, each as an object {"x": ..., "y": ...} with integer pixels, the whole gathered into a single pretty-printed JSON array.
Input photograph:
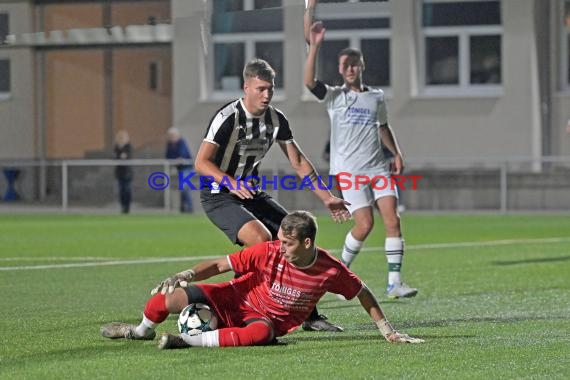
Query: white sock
[
  {"x": 394, "y": 247},
  {"x": 145, "y": 327},
  {"x": 205, "y": 339},
  {"x": 350, "y": 249}
]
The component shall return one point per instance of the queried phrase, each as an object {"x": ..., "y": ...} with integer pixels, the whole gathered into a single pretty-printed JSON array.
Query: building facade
[{"x": 465, "y": 81}]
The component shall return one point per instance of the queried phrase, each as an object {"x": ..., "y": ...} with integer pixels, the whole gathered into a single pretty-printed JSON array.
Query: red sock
[
  {"x": 155, "y": 308},
  {"x": 257, "y": 333}
]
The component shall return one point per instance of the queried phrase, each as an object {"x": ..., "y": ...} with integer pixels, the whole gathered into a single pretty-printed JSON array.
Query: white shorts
[{"x": 361, "y": 194}]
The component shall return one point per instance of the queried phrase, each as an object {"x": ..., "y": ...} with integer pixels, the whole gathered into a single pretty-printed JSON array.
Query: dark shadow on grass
[
  {"x": 343, "y": 337},
  {"x": 532, "y": 261},
  {"x": 354, "y": 302},
  {"x": 330, "y": 337},
  {"x": 447, "y": 322}
]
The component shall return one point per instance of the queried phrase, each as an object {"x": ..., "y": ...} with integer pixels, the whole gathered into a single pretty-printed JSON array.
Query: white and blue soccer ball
[{"x": 197, "y": 318}]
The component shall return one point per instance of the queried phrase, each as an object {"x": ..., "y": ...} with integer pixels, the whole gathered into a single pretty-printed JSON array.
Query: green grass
[{"x": 490, "y": 310}]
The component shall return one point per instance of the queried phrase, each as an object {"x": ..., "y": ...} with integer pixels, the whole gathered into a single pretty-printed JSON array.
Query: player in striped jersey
[
  {"x": 283, "y": 280},
  {"x": 237, "y": 139}
]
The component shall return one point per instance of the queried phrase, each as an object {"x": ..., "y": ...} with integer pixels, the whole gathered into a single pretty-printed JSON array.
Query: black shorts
[{"x": 229, "y": 213}]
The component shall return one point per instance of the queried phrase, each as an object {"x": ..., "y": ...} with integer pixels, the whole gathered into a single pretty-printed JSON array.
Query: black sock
[{"x": 314, "y": 315}]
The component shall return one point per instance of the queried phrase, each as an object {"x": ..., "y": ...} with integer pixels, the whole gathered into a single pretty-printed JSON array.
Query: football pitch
[{"x": 493, "y": 302}]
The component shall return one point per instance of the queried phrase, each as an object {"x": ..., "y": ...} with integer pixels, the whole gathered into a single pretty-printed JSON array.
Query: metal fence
[{"x": 492, "y": 184}]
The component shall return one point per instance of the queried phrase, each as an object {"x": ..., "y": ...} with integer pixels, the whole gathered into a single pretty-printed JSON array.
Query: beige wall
[
  {"x": 17, "y": 136},
  {"x": 74, "y": 102},
  {"x": 70, "y": 16},
  {"x": 73, "y": 94},
  {"x": 124, "y": 14},
  {"x": 76, "y": 97},
  {"x": 146, "y": 114}
]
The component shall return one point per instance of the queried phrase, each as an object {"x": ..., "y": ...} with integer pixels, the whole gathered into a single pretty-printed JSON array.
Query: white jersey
[{"x": 355, "y": 121}]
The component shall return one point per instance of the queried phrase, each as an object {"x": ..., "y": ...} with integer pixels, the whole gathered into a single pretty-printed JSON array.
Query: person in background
[
  {"x": 177, "y": 149},
  {"x": 359, "y": 131},
  {"x": 124, "y": 173}
]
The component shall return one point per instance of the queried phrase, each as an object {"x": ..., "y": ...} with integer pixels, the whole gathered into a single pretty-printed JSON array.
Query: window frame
[
  {"x": 355, "y": 36},
  {"x": 564, "y": 42},
  {"x": 6, "y": 15},
  {"x": 249, "y": 40},
  {"x": 7, "y": 95},
  {"x": 463, "y": 34}
]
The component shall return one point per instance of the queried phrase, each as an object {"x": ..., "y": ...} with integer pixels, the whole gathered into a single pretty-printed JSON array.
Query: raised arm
[
  {"x": 370, "y": 304},
  {"x": 315, "y": 38},
  {"x": 305, "y": 169},
  {"x": 309, "y": 17}
]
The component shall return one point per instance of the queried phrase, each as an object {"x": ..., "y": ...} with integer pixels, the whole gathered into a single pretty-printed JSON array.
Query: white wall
[
  {"x": 505, "y": 125},
  {"x": 465, "y": 126},
  {"x": 17, "y": 138}
]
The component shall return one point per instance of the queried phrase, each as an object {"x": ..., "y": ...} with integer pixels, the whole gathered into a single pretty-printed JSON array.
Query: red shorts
[{"x": 231, "y": 309}]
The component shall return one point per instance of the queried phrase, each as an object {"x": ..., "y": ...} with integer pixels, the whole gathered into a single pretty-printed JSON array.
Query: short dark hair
[
  {"x": 351, "y": 53},
  {"x": 300, "y": 225},
  {"x": 258, "y": 68}
]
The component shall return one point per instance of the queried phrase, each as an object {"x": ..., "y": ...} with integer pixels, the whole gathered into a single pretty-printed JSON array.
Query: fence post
[
  {"x": 64, "y": 195},
  {"x": 167, "y": 190},
  {"x": 503, "y": 185},
  {"x": 42, "y": 180}
]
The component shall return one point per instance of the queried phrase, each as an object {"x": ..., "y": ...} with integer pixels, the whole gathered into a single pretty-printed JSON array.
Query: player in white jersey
[{"x": 359, "y": 128}]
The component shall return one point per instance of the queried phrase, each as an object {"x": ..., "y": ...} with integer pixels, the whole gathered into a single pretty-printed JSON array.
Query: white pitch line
[
  {"x": 55, "y": 258},
  {"x": 194, "y": 258},
  {"x": 109, "y": 263},
  {"x": 471, "y": 244}
]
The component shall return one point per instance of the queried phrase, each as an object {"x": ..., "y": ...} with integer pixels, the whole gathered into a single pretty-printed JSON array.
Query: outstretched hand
[
  {"x": 179, "y": 280},
  {"x": 337, "y": 209},
  {"x": 396, "y": 337}
]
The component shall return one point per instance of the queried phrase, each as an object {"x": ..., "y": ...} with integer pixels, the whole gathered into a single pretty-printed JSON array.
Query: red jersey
[{"x": 283, "y": 292}]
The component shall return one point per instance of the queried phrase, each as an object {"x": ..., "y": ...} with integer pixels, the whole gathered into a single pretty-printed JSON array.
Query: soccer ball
[{"x": 196, "y": 318}]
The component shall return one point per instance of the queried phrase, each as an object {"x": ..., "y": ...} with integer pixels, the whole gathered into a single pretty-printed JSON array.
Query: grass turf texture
[{"x": 489, "y": 310}]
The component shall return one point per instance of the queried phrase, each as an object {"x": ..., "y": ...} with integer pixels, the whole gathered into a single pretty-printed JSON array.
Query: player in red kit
[{"x": 282, "y": 282}]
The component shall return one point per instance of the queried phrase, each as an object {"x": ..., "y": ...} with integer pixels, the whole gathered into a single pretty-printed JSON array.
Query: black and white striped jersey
[{"x": 243, "y": 139}]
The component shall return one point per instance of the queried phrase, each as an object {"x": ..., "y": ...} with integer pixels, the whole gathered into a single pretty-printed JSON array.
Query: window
[
  {"x": 4, "y": 78},
  {"x": 154, "y": 76},
  {"x": 351, "y": 1},
  {"x": 241, "y": 30},
  {"x": 461, "y": 46},
  {"x": 566, "y": 44},
  {"x": 351, "y": 25},
  {"x": 4, "y": 26}
]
